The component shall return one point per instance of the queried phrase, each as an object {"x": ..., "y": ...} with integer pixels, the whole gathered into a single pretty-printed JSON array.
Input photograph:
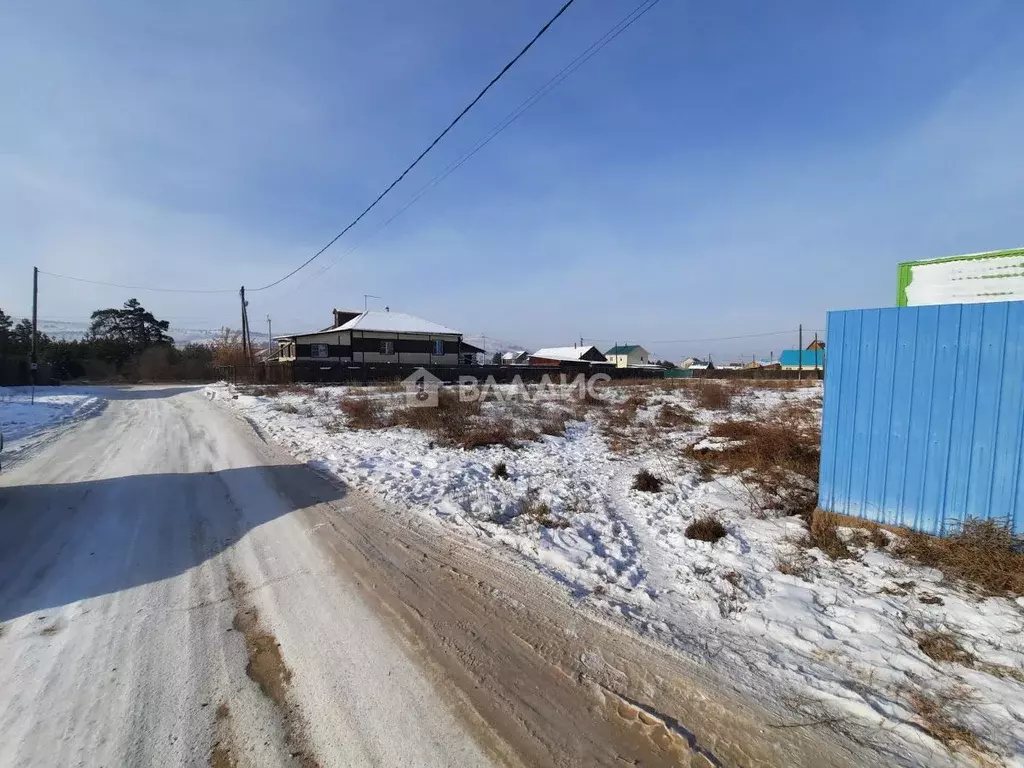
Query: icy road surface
[{"x": 173, "y": 591}]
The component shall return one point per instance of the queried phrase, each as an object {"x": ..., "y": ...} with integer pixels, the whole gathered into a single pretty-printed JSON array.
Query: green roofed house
[
  {"x": 628, "y": 356},
  {"x": 972, "y": 279}
]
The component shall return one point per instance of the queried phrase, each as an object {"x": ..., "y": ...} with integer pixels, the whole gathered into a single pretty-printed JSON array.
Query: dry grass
[
  {"x": 500, "y": 471},
  {"x": 936, "y": 722},
  {"x": 496, "y": 431},
  {"x": 983, "y": 554},
  {"x": 532, "y": 508},
  {"x": 713, "y": 396},
  {"x": 799, "y": 567},
  {"x": 461, "y": 423},
  {"x": 553, "y": 424},
  {"x": 766, "y": 455},
  {"x": 362, "y": 412},
  {"x": 706, "y": 528},
  {"x": 943, "y": 646},
  {"x": 675, "y": 417},
  {"x": 824, "y": 535},
  {"x": 645, "y": 481},
  {"x": 768, "y": 446}
]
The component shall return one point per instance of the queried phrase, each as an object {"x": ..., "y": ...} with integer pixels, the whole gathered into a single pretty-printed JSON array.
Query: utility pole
[
  {"x": 800, "y": 355},
  {"x": 34, "y": 362},
  {"x": 815, "y": 354},
  {"x": 246, "y": 344},
  {"x": 270, "y": 339}
]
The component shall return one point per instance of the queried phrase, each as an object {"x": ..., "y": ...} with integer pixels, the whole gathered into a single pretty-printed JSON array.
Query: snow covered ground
[
  {"x": 22, "y": 421},
  {"x": 836, "y": 640}
]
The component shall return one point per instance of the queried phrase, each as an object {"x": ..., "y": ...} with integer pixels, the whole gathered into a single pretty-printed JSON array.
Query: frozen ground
[{"x": 837, "y": 640}]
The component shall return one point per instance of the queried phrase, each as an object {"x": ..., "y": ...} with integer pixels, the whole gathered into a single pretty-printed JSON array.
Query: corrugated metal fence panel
[{"x": 923, "y": 422}]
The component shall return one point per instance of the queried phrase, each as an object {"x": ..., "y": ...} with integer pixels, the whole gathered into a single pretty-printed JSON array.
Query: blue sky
[{"x": 720, "y": 169}]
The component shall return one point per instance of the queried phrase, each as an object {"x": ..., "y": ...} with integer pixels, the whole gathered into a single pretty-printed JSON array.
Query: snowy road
[{"x": 173, "y": 591}]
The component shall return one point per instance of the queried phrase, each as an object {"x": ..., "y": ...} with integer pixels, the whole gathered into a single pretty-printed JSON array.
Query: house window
[
  {"x": 438, "y": 346},
  {"x": 387, "y": 347},
  {"x": 318, "y": 350}
]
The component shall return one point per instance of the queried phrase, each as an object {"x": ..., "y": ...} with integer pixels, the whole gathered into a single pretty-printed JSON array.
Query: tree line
[{"x": 121, "y": 343}]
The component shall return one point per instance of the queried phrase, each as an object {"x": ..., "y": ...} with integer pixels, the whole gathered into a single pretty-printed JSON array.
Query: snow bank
[
  {"x": 836, "y": 641},
  {"x": 21, "y": 419}
]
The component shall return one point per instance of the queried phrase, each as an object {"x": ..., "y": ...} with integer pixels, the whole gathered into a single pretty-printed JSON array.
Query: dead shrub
[
  {"x": 767, "y": 447},
  {"x": 824, "y": 535},
  {"x": 500, "y": 471},
  {"x": 794, "y": 566},
  {"x": 554, "y": 425},
  {"x": 713, "y": 396},
  {"x": 936, "y": 722},
  {"x": 532, "y": 508},
  {"x": 647, "y": 482},
  {"x": 983, "y": 554},
  {"x": 706, "y": 528},
  {"x": 623, "y": 415},
  {"x": 878, "y": 537},
  {"x": 362, "y": 412},
  {"x": 675, "y": 417},
  {"x": 286, "y": 408},
  {"x": 266, "y": 390},
  {"x": 943, "y": 646},
  {"x": 497, "y": 431}
]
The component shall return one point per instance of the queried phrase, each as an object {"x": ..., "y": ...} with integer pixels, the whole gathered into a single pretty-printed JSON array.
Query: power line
[
  {"x": 138, "y": 287},
  {"x": 370, "y": 207},
  {"x": 720, "y": 338},
  {"x": 621, "y": 26},
  {"x": 729, "y": 338},
  {"x": 430, "y": 146}
]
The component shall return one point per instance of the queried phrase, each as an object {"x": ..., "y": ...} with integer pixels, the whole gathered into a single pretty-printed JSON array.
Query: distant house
[
  {"x": 794, "y": 359},
  {"x": 515, "y": 357},
  {"x": 815, "y": 345},
  {"x": 568, "y": 357},
  {"x": 378, "y": 337},
  {"x": 696, "y": 364},
  {"x": 469, "y": 353},
  {"x": 628, "y": 356}
]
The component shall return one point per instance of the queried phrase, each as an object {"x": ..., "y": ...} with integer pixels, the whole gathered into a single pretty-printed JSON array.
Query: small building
[
  {"x": 807, "y": 359},
  {"x": 628, "y": 356},
  {"x": 566, "y": 357},
  {"x": 816, "y": 344},
  {"x": 515, "y": 357},
  {"x": 378, "y": 337},
  {"x": 696, "y": 364}
]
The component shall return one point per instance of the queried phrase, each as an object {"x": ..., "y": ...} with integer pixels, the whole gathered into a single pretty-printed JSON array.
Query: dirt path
[{"x": 174, "y": 591}]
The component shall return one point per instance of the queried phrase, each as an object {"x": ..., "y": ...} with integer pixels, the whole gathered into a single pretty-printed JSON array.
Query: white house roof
[
  {"x": 385, "y": 322},
  {"x": 512, "y": 355},
  {"x": 562, "y": 353}
]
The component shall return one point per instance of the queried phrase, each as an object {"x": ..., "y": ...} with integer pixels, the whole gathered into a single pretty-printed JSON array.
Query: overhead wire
[
  {"x": 137, "y": 287},
  {"x": 370, "y": 207},
  {"x": 430, "y": 146},
  {"x": 617, "y": 29}
]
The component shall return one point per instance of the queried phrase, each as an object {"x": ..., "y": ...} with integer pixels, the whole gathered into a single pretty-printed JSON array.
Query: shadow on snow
[{"x": 68, "y": 542}]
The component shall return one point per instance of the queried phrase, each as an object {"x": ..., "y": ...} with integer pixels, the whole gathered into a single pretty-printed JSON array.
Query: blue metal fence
[{"x": 923, "y": 423}]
